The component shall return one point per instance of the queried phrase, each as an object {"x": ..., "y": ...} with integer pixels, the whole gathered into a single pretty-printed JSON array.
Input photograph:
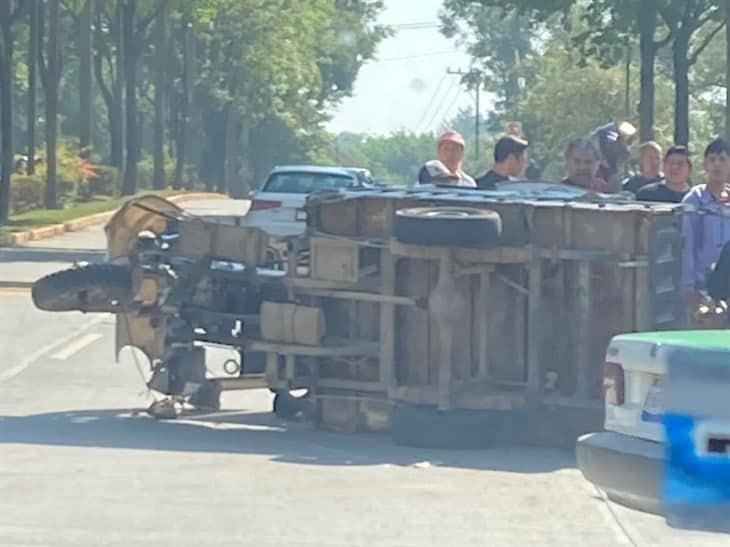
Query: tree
[
  {"x": 109, "y": 72},
  {"x": 10, "y": 12},
  {"x": 685, "y": 19},
  {"x": 498, "y": 42},
  {"x": 305, "y": 55},
  {"x": 85, "y": 80},
  {"x": 50, "y": 69},
  {"x": 727, "y": 69},
  {"x": 32, "y": 61},
  {"x": 158, "y": 148},
  {"x": 648, "y": 47},
  {"x": 136, "y": 20},
  {"x": 184, "y": 90}
]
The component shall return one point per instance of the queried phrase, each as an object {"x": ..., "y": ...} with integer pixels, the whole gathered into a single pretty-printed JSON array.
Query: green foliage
[
  {"x": 499, "y": 42},
  {"x": 104, "y": 183},
  {"x": 26, "y": 192},
  {"x": 393, "y": 159}
]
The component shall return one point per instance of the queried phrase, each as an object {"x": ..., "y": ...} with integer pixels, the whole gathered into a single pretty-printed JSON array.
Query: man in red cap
[{"x": 447, "y": 169}]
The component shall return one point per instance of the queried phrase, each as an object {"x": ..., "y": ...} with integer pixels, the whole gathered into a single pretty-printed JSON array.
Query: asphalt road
[{"x": 82, "y": 465}]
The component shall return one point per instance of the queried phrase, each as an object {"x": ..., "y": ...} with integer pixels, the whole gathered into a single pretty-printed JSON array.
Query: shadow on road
[
  {"x": 42, "y": 254},
  {"x": 262, "y": 434}
]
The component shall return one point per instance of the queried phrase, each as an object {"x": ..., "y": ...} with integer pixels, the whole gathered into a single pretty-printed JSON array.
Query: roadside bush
[
  {"x": 105, "y": 182},
  {"x": 26, "y": 192}
]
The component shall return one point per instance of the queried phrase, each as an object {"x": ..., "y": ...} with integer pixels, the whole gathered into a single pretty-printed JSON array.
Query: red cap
[{"x": 451, "y": 136}]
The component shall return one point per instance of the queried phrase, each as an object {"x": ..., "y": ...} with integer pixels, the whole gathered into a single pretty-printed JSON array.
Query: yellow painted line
[{"x": 14, "y": 291}]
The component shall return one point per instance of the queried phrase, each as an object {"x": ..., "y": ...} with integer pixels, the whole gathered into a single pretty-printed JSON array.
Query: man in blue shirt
[{"x": 706, "y": 222}]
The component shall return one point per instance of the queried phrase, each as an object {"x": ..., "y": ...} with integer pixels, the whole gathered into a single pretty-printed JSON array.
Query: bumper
[{"x": 628, "y": 469}]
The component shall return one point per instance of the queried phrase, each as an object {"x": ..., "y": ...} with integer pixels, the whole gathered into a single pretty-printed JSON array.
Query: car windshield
[{"x": 305, "y": 183}]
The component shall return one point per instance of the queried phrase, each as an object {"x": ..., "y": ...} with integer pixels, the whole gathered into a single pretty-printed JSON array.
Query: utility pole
[{"x": 475, "y": 77}]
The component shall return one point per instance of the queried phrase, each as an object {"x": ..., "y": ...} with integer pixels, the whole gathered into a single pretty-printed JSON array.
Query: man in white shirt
[{"x": 447, "y": 170}]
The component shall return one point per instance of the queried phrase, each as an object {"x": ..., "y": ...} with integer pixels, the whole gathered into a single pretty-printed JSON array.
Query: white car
[
  {"x": 277, "y": 208},
  {"x": 627, "y": 459}
]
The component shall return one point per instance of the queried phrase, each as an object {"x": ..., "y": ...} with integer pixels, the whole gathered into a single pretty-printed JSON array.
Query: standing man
[
  {"x": 650, "y": 168},
  {"x": 509, "y": 162},
  {"x": 612, "y": 141},
  {"x": 448, "y": 168},
  {"x": 706, "y": 223},
  {"x": 678, "y": 169},
  {"x": 582, "y": 160}
]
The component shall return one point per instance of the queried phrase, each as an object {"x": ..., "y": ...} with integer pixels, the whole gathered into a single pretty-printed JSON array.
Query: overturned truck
[{"x": 451, "y": 317}]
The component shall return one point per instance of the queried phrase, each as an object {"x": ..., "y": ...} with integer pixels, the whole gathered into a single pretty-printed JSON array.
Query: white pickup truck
[{"x": 627, "y": 459}]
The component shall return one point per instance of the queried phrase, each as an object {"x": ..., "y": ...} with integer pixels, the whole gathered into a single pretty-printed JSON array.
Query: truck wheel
[
  {"x": 448, "y": 226},
  {"x": 427, "y": 427},
  {"x": 94, "y": 288},
  {"x": 207, "y": 397},
  {"x": 289, "y": 406}
]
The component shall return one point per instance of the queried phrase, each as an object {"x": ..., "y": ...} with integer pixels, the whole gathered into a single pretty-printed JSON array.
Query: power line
[
  {"x": 416, "y": 56},
  {"x": 428, "y": 105},
  {"x": 477, "y": 74},
  {"x": 415, "y": 25},
  {"x": 443, "y": 101},
  {"x": 434, "y": 114},
  {"x": 451, "y": 106}
]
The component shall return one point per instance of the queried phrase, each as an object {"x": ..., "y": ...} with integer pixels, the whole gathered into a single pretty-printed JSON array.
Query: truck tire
[
  {"x": 448, "y": 227},
  {"x": 288, "y": 406},
  {"x": 207, "y": 397},
  {"x": 427, "y": 427},
  {"x": 94, "y": 288}
]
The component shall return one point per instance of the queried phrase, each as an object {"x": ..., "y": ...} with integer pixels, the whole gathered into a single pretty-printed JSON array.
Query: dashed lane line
[
  {"x": 76, "y": 346},
  {"x": 54, "y": 346}
]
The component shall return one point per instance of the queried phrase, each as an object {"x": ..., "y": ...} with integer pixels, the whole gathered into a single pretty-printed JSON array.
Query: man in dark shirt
[
  {"x": 677, "y": 168},
  {"x": 650, "y": 165},
  {"x": 582, "y": 159},
  {"x": 509, "y": 162}
]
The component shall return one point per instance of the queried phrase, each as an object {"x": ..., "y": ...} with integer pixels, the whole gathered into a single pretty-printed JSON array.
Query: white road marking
[
  {"x": 25, "y": 363},
  {"x": 76, "y": 346}
]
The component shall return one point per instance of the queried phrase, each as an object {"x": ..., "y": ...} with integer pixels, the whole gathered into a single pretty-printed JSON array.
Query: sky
[{"x": 406, "y": 86}]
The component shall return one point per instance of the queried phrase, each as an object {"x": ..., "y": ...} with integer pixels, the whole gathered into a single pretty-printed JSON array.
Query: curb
[{"x": 18, "y": 238}]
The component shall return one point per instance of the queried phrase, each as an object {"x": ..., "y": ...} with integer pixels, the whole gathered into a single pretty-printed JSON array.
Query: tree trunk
[
  {"x": 52, "y": 80},
  {"x": 231, "y": 158},
  {"x": 6, "y": 113},
  {"x": 184, "y": 111},
  {"x": 85, "y": 82},
  {"x": 116, "y": 113},
  {"x": 129, "y": 184},
  {"x": 681, "y": 84},
  {"x": 512, "y": 83},
  {"x": 727, "y": 69},
  {"x": 158, "y": 147},
  {"x": 647, "y": 46},
  {"x": 32, "y": 84}
]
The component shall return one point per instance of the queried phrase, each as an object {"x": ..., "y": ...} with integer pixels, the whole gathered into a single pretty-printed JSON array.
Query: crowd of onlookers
[{"x": 593, "y": 163}]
